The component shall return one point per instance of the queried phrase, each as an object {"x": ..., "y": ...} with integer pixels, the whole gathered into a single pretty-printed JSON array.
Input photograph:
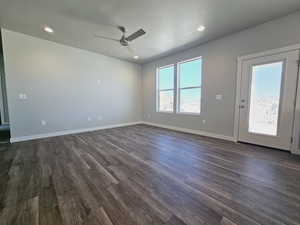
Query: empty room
[{"x": 147, "y": 112}]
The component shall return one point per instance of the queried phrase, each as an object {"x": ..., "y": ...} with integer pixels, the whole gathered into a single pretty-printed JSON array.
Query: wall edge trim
[
  {"x": 191, "y": 131},
  {"x": 66, "y": 132}
]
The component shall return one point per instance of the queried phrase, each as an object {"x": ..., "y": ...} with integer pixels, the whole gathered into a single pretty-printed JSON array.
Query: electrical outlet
[
  {"x": 99, "y": 82},
  {"x": 149, "y": 116},
  {"x": 43, "y": 122},
  {"x": 203, "y": 121},
  {"x": 89, "y": 119},
  {"x": 99, "y": 118}
]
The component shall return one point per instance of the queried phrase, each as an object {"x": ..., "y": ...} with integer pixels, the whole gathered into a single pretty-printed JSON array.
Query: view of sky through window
[
  {"x": 166, "y": 78},
  {"x": 166, "y": 89},
  {"x": 190, "y": 75}
]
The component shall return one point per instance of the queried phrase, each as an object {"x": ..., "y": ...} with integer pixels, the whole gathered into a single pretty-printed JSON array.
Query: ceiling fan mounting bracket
[{"x": 123, "y": 41}]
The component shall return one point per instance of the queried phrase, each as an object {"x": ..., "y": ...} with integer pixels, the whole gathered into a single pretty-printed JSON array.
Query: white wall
[
  {"x": 219, "y": 74},
  {"x": 61, "y": 87},
  {"x": 61, "y": 82}
]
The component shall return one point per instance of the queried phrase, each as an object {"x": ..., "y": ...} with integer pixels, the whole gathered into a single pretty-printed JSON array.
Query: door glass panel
[{"x": 265, "y": 98}]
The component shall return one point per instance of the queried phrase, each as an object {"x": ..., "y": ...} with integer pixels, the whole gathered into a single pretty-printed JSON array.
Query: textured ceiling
[{"x": 170, "y": 24}]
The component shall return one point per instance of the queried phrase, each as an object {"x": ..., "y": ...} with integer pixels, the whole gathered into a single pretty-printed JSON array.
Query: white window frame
[
  {"x": 185, "y": 88},
  {"x": 162, "y": 90}
]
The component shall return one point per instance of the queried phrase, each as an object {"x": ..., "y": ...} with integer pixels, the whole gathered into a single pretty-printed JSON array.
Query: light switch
[
  {"x": 22, "y": 96},
  {"x": 43, "y": 122},
  {"x": 219, "y": 97}
]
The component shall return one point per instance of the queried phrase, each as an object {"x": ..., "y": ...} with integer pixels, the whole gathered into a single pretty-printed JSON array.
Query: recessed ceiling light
[
  {"x": 48, "y": 29},
  {"x": 135, "y": 57},
  {"x": 201, "y": 28}
]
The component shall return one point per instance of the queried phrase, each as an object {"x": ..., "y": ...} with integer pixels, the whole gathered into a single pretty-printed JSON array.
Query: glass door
[{"x": 268, "y": 91}]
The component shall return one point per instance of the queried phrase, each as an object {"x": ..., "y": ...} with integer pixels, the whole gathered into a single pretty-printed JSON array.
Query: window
[
  {"x": 165, "y": 84},
  {"x": 189, "y": 86},
  {"x": 179, "y": 87}
]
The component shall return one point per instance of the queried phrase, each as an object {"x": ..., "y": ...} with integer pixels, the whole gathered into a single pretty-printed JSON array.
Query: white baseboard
[
  {"x": 295, "y": 151},
  {"x": 76, "y": 131},
  {"x": 65, "y": 132},
  {"x": 198, "y": 132}
]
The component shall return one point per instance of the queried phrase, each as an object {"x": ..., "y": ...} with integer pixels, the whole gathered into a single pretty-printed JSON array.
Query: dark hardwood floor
[{"x": 142, "y": 175}]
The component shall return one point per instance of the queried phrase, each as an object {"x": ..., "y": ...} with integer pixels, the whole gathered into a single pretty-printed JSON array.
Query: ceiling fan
[{"x": 124, "y": 40}]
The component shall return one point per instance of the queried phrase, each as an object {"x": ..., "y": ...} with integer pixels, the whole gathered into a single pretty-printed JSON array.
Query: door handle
[{"x": 241, "y": 106}]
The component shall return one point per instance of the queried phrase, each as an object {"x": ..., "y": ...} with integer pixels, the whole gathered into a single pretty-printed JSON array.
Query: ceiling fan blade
[
  {"x": 135, "y": 35},
  {"x": 107, "y": 38}
]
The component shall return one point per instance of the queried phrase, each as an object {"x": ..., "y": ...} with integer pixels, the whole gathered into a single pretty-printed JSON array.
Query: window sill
[
  {"x": 165, "y": 112},
  {"x": 188, "y": 114},
  {"x": 180, "y": 113}
]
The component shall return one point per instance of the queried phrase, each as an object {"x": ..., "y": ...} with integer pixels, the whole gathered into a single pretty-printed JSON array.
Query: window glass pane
[
  {"x": 265, "y": 98},
  {"x": 166, "y": 78},
  {"x": 190, "y": 73},
  {"x": 190, "y": 100},
  {"x": 166, "y": 99}
]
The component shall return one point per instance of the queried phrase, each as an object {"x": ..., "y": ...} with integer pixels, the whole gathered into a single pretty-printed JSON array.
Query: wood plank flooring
[{"x": 142, "y": 175}]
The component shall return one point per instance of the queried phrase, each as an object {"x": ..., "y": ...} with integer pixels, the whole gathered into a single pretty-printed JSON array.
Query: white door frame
[{"x": 240, "y": 60}]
